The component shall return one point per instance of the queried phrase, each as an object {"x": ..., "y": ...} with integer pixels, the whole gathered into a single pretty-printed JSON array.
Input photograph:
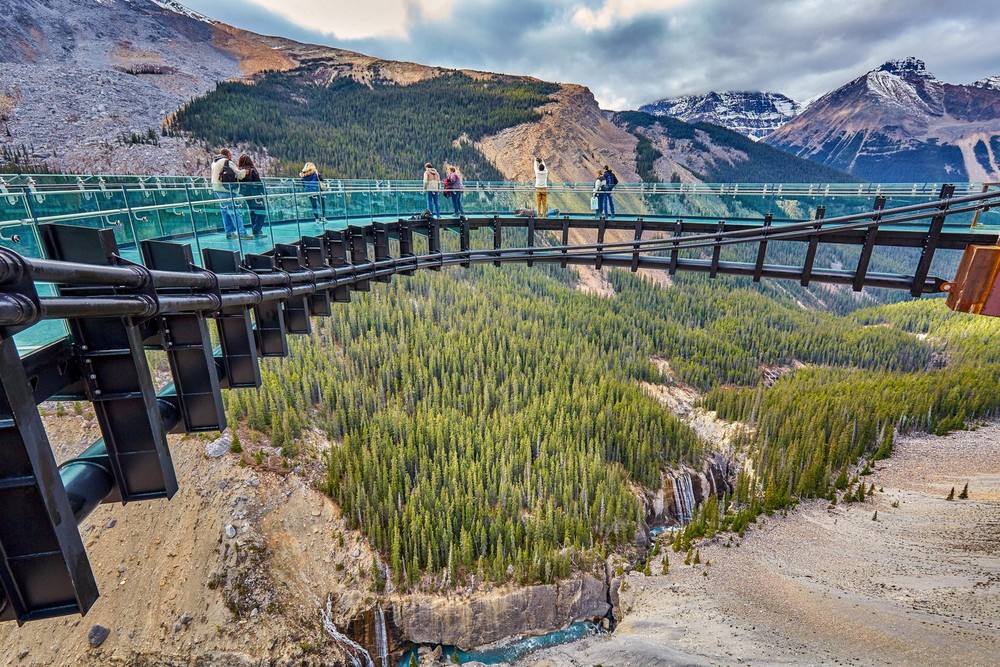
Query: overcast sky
[{"x": 630, "y": 52}]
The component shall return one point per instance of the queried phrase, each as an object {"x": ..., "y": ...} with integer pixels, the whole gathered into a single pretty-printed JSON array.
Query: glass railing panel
[
  {"x": 359, "y": 204},
  {"x": 22, "y": 237}
]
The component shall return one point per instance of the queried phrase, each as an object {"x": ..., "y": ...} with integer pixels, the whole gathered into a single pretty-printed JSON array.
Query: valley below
[{"x": 827, "y": 584}]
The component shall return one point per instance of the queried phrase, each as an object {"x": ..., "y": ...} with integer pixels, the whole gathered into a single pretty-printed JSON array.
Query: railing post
[
  {"x": 636, "y": 247},
  {"x": 602, "y": 226},
  {"x": 497, "y": 238},
  {"x": 717, "y": 249},
  {"x": 131, "y": 222},
  {"x": 194, "y": 225}
]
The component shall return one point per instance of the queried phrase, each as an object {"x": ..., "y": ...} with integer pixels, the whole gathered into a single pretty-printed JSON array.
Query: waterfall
[
  {"x": 355, "y": 648},
  {"x": 684, "y": 498},
  {"x": 381, "y": 638}
]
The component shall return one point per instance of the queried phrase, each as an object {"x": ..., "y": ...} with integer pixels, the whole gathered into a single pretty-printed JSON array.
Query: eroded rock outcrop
[
  {"x": 683, "y": 489},
  {"x": 492, "y": 616}
]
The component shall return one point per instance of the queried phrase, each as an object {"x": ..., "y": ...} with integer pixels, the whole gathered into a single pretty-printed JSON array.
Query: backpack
[
  {"x": 228, "y": 174},
  {"x": 610, "y": 179}
]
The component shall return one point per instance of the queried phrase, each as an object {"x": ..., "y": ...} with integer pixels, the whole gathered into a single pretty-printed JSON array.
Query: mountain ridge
[
  {"x": 898, "y": 122},
  {"x": 754, "y": 114}
]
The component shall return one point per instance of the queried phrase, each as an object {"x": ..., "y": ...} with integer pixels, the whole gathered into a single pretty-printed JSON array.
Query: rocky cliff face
[
  {"x": 683, "y": 489},
  {"x": 753, "y": 114},
  {"x": 492, "y": 616},
  {"x": 573, "y": 137},
  {"x": 900, "y": 123}
]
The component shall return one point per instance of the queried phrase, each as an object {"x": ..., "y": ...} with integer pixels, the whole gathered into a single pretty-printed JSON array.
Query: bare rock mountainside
[
  {"x": 79, "y": 79},
  {"x": 753, "y": 114},
  {"x": 900, "y": 123},
  {"x": 129, "y": 64}
]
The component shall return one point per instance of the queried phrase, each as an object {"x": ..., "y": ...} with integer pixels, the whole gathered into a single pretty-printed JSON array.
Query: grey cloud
[{"x": 800, "y": 48}]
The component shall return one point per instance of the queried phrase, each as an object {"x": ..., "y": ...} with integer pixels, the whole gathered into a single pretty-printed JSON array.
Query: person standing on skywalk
[
  {"x": 453, "y": 188},
  {"x": 252, "y": 189},
  {"x": 312, "y": 182},
  {"x": 610, "y": 181},
  {"x": 541, "y": 187},
  {"x": 600, "y": 194},
  {"x": 432, "y": 186},
  {"x": 225, "y": 176}
]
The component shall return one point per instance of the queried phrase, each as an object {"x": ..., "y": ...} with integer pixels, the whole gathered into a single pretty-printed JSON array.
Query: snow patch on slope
[
  {"x": 178, "y": 8},
  {"x": 990, "y": 82}
]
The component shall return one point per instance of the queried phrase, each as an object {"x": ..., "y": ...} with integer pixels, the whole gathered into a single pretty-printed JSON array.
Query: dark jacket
[
  {"x": 252, "y": 186},
  {"x": 310, "y": 182}
]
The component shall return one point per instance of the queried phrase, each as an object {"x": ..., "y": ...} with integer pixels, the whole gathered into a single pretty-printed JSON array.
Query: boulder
[
  {"x": 219, "y": 446},
  {"x": 97, "y": 635}
]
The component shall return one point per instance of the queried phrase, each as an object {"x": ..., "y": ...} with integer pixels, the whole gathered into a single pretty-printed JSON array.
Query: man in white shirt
[{"x": 541, "y": 187}]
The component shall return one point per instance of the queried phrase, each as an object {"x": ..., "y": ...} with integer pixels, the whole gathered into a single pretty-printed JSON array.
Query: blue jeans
[
  {"x": 231, "y": 220},
  {"x": 602, "y": 204},
  {"x": 609, "y": 204},
  {"x": 456, "y": 202},
  {"x": 432, "y": 204}
]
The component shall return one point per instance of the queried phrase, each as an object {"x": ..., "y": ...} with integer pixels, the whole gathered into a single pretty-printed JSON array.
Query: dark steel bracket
[
  {"x": 188, "y": 345},
  {"x": 44, "y": 570},
  {"x": 272, "y": 337},
  {"x": 930, "y": 242},
  {"x": 116, "y": 374},
  {"x": 869, "y": 245}
]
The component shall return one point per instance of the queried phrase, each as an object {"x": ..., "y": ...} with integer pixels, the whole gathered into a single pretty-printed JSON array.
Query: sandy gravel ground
[{"x": 828, "y": 585}]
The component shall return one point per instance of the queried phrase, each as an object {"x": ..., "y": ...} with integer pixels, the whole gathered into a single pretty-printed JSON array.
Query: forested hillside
[
  {"x": 810, "y": 426},
  {"x": 489, "y": 422},
  {"x": 355, "y": 131}
]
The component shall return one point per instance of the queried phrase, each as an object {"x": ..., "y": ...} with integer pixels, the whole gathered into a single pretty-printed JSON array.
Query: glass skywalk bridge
[
  {"x": 96, "y": 271},
  {"x": 186, "y": 210}
]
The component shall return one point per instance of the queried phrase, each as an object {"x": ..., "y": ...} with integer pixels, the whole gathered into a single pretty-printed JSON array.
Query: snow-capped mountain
[
  {"x": 899, "y": 122},
  {"x": 750, "y": 113}
]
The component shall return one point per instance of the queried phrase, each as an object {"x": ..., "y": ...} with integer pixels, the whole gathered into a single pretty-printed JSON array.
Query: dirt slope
[
  {"x": 176, "y": 589},
  {"x": 828, "y": 585}
]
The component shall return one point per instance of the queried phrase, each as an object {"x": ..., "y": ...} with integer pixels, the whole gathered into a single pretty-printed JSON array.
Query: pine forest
[
  {"x": 355, "y": 131},
  {"x": 489, "y": 424}
]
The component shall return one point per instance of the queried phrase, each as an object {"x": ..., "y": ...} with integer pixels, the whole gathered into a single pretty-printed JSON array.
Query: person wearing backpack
[
  {"x": 225, "y": 176},
  {"x": 252, "y": 190},
  {"x": 610, "y": 181},
  {"x": 432, "y": 185}
]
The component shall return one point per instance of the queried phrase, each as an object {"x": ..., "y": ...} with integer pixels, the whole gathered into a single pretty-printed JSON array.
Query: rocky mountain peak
[
  {"x": 989, "y": 83},
  {"x": 906, "y": 68}
]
